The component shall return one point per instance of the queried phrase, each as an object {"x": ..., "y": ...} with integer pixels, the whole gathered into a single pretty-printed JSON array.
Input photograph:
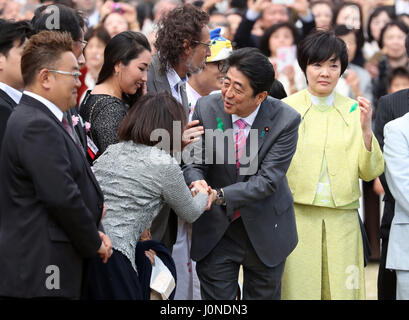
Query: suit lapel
[
  {"x": 262, "y": 125},
  {"x": 27, "y": 100},
  {"x": 8, "y": 99}
]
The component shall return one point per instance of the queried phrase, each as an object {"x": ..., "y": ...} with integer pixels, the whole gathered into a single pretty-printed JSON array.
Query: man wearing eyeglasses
[
  {"x": 182, "y": 50},
  {"x": 71, "y": 21},
  {"x": 50, "y": 202}
]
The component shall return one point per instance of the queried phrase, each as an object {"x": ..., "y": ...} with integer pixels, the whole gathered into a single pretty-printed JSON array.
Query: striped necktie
[{"x": 240, "y": 139}]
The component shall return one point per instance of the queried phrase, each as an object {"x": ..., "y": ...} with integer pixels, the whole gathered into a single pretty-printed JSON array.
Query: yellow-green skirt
[{"x": 328, "y": 262}]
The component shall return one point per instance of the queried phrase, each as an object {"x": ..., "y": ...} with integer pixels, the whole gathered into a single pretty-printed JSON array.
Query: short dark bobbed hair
[
  {"x": 398, "y": 23},
  {"x": 152, "y": 111},
  {"x": 320, "y": 46},
  {"x": 255, "y": 66}
]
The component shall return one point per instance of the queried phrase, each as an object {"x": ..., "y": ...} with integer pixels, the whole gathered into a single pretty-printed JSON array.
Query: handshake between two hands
[{"x": 202, "y": 186}]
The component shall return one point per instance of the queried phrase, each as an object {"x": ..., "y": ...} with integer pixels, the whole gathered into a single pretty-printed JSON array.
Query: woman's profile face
[
  {"x": 323, "y": 76},
  {"x": 282, "y": 37},
  {"x": 134, "y": 75}
]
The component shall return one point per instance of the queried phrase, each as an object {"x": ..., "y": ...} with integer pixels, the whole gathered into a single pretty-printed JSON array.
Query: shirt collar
[
  {"x": 51, "y": 106},
  {"x": 249, "y": 119},
  {"x": 174, "y": 79},
  {"x": 315, "y": 100},
  {"x": 11, "y": 92}
]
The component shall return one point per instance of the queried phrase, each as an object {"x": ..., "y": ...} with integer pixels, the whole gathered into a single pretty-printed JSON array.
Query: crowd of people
[{"x": 206, "y": 137}]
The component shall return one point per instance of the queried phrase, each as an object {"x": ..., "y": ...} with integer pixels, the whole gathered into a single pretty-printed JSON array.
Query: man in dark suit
[
  {"x": 50, "y": 202},
  {"x": 254, "y": 223},
  {"x": 12, "y": 38},
  {"x": 71, "y": 21},
  {"x": 390, "y": 107},
  {"x": 182, "y": 50}
]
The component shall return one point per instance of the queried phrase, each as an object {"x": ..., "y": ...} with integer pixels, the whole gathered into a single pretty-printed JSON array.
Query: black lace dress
[{"x": 105, "y": 114}]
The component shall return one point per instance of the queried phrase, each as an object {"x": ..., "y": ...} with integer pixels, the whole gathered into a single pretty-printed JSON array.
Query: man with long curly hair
[{"x": 182, "y": 44}]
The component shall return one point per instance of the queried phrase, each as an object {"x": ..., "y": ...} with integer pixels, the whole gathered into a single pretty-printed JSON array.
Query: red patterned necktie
[{"x": 240, "y": 139}]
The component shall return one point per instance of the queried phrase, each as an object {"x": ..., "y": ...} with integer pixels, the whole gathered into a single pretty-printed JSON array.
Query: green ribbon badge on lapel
[
  {"x": 220, "y": 124},
  {"x": 354, "y": 107}
]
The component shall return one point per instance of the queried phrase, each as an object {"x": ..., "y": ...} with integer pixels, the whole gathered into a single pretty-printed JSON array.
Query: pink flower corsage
[
  {"x": 75, "y": 120},
  {"x": 87, "y": 126}
]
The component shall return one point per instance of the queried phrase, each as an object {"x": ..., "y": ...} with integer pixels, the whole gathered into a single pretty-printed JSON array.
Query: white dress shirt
[{"x": 11, "y": 92}]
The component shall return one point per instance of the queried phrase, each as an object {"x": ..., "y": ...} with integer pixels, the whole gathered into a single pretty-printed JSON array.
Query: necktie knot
[{"x": 241, "y": 123}]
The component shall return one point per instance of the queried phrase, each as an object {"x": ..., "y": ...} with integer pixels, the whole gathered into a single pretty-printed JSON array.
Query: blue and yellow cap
[{"x": 220, "y": 47}]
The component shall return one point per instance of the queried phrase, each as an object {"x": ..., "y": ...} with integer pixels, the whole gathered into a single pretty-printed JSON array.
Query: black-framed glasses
[
  {"x": 75, "y": 74},
  {"x": 203, "y": 43},
  {"x": 222, "y": 65}
]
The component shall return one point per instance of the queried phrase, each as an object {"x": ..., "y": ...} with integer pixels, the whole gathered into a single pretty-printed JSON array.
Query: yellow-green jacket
[{"x": 346, "y": 155}]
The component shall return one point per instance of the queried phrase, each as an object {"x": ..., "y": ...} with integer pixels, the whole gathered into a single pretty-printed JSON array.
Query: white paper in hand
[{"x": 162, "y": 280}]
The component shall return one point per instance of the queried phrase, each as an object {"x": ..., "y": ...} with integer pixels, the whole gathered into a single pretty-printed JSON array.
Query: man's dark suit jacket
[
  {"x": 263, "y": 198},
  {"x": 7, "y": 105},
  {"x": 390, "y": 107},
  {"x": 50, "y": 207}
]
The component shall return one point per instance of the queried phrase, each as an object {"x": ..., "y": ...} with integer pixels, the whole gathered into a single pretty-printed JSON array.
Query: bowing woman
[{"x": 336, "y": 148}]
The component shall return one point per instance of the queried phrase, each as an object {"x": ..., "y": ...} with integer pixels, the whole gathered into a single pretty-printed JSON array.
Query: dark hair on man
[
  {"x": 400, "y": 24},
  {"x": 99, "y": 32},
  {"x": 320, "y": 46},
  {"x": 376, "y": 12},
  {"x": 398, "y": 72},
  {"x": 69, "y": 20},
  {"x": 265, "y": 39},
  {"x": 152, "y": 111},
  {"x": 255, "y": 66},
  {"x": 11, "y": 32},
  {"x": 43, "y": 50},
  {"x": 124, "y": 47},
  {"x": 182, "y": 23}
]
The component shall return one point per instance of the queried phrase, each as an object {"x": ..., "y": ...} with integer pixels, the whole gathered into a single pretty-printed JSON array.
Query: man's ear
[
  {"x": 2, "y": 61},
  {"x": 260, "y": 97},
  {"x": 45, "y": 78},
  {"x": 187, "y": 49}
]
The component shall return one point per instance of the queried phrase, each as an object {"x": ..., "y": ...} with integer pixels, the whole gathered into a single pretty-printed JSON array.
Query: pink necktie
[
  {"x": 240, "y": 139},
  {"x": 67, "y": 127}
]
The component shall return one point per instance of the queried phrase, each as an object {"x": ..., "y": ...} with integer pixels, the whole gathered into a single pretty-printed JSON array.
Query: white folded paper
[{"x": 162, "y": 280}]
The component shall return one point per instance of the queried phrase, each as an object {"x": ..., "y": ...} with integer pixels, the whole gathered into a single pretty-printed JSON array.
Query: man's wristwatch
[{"x": 220, "y": 197}]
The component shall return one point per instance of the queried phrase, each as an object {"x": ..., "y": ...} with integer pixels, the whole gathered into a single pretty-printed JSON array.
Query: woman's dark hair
[
  {"x": 264, "y": 41},
  {"x": 99, "y": 32},
  {"x": 255, "y": 66},
  {"x": 342, "y": 30},
  {"x": 373, "y": 15},
  {"x": 360, "y": 31},
  {"x": 181, "y": 23},
  {"x": 401, "y": 25},
  {"x": 124, "y": 47},
  {"x": 320, "y": 46},
  {"x": 152, "y": 111}
]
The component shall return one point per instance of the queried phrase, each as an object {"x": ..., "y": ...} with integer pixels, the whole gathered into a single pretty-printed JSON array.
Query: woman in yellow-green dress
[{"x": 335, "y": 148}]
